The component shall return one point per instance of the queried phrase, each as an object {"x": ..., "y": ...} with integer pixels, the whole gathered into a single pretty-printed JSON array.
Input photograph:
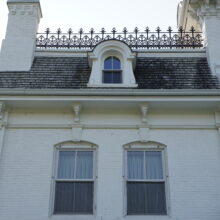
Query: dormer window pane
[
  {"x": 116, "y": 77},
  {"x": 116, "y": 64},
  {"x": 112, "y": 70},
  {"x": 107, "y": 78},
  {"x": 108, "y": 64}
]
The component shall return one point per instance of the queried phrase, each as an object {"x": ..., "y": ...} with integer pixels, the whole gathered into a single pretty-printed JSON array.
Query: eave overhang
[
  {"x": 109, "y": 92},
  {"x": 111, "y": 99}
]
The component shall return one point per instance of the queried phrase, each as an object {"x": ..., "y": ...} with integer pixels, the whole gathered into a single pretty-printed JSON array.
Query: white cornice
[
  {"x": 143, "y": 53},
  {"x": 109, "y": 92},
  {"x": 111, "y": 126}
]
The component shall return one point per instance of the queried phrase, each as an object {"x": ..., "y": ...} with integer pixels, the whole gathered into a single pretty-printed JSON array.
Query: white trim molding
[
  {"x": 3, "y": 124},
  {"x": 77, "y": 132}
]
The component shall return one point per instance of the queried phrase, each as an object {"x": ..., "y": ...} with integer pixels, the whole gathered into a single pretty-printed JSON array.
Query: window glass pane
[
  {"x": 74, "y": 198},
  {"x": 146, "y": 198},
  {"x": 66, "y": 165},
  {"x": 64, "y": 197},
  {"x": 135, "y": 162},
  {"x": 84, "y": 165},
  {"x": 107, "y": 77},
  {"x": 117, "y": 77},
  {"x": 83, "y": 198},
  {"x": 108, "y": 63},
  {"x": 116, "y": 64},
  {"x": 154, "y": 168}
]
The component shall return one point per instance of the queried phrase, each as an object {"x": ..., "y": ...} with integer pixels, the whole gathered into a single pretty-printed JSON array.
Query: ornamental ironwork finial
[{"x": 136, "y": 40}]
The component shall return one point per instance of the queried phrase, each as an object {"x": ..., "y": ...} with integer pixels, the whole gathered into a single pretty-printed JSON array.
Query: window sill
[
  {"x": 73, "y": 217},
  {"x": 127, "y": 217},
  {"x": 112, "y": 85},
  {"x": 147, "y": 217}
]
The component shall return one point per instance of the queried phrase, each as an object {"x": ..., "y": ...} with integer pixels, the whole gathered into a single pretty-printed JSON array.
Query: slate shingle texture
[
  {"x": 150, "y": 73},
  {"x": 50, "y": 73},
  {"x": 174, "y": 73}
]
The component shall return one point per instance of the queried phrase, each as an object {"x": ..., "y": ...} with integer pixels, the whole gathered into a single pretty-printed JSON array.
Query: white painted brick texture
[{"x": 193, "y": 161}]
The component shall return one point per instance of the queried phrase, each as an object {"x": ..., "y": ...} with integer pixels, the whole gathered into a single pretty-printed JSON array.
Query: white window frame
[
  {"x": 147, "y": 147},
  {"x": 73, "y": 147}
]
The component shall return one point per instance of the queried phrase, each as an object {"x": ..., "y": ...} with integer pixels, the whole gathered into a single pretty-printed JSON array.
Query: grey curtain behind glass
[
  {"x": 73, "y": 198},
  {"x": 152, "y": 165},
  {"x": 154, "y": 168},
  {"x": 146, "y": 198},
  {"x": 84, "y": 165},
  {"x": 66, "y": 165},
  {"x": 75, "y": 165},
  {"x": 135, "y": 161}
]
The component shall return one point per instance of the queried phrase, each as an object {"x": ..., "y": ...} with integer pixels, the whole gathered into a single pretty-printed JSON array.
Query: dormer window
[
  {"x": 112, "y": 64},
  {"x": 112, "y": 72}
]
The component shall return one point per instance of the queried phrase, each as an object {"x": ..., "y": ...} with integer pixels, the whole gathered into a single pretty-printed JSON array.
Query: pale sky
[{"x": 96, "y": 14}]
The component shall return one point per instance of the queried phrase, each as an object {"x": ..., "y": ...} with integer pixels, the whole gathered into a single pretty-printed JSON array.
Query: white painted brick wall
[{"x": 193, "y": 167}]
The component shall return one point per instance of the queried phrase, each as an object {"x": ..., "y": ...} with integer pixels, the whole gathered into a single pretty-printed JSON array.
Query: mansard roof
[{"x": 150, "y": 73}]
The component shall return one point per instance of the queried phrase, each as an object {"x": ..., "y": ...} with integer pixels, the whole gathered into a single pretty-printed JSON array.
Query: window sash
[
  {"x": 74, "y": 197},
  {"x": 75, "y": 180},
  {"x": 144, "y": 167},
  {"x": 146, "y": 181},
  {"x": 76, "y": 155},
  {"x": 114, "y": 75},
  {"x": 111, "y": 63},
  {"x": 146, "y": 198}
]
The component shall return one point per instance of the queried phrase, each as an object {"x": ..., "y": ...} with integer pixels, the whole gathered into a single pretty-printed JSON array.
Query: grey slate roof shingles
[
  {"x": 50, "y": 73},
  {"x": 174, "y": 73},
  {"x": 150, "y": 73}
]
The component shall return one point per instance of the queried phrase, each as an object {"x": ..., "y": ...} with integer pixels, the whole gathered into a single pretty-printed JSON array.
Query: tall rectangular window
[
  {"x": 145, "y": 183},
  {"x": 74, "y": 184}
]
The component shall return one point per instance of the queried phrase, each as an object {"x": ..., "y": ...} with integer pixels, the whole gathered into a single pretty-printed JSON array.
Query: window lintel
[{"x": 144, "y": 145}]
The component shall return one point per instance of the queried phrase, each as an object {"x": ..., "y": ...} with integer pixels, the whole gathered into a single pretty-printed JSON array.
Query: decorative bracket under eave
[
  {"x": 144, "y": 110},
  {"x": 217, "y": 118},
  {"x": 2, "y": 113},
  {"x": 76, "y": 127},
  {"x": 76, "y": 109},
  {"x": 143, "y": 130}
]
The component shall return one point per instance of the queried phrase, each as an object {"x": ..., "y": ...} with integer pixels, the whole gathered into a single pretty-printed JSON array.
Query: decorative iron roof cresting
[{"x": 135, "y": 40}]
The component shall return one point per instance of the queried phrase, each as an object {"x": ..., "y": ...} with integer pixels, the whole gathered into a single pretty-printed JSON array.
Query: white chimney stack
[{"x": 19, "y": 44}]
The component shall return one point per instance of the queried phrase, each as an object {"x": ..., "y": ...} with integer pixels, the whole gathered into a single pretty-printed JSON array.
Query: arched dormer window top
[
  {"x": 112, "y": 64},
  {"x": 112, "y": 72}
]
